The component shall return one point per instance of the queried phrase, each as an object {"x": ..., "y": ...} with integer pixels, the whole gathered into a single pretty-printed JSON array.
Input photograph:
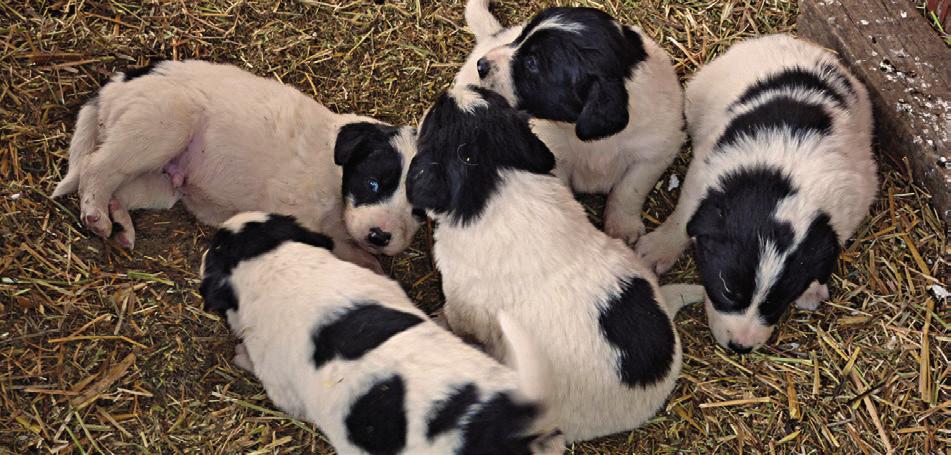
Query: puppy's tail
[
  {"x": 480, "y": 20},
  {"x": 83, "y": 143},
  {"x": 677, "y": 296}
]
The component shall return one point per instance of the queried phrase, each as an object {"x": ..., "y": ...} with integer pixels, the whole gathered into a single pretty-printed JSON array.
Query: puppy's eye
[
  {"x": 531, "y": 63},
  {"x": 374, "y": 185}
]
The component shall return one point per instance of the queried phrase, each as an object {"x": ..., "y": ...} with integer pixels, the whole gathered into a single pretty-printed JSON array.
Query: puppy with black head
[
  {"x": 223, "y": 141},
  {"x": 782, "y": 175},
  {"x": 603, "y": 96},
  {"x": 512, "y": 239},
  {"x": 344, "y": 348}
]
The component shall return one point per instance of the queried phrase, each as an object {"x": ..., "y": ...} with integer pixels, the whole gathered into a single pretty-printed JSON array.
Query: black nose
[
  {"x": 483, "y": 67},
  {"x": 378, "y": 237},
  {"x": 740, "y": 349}
]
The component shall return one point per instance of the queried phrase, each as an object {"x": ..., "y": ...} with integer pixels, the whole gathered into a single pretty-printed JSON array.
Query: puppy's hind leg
[{"x": 148, "y": 191}]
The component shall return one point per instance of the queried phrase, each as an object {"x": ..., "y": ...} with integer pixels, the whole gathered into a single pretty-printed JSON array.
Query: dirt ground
[{"x": 102, "y": 350}]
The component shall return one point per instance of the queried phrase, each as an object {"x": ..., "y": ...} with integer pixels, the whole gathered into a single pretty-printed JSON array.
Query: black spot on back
[
  {"x": 372, "y": 166},
  {"x": 500, "y": 426},
  {"x": 790, "y": 78},
  {"x": 641, "y": 331},
  {"x": 229, "y": 248},
  {"x": 133, "y": 73},
  {"x": 359, "y": 330},
  {"x": 377, "y": 419},
  {"x": 776, "y": 114},
  {"x": 445, "y": 414}
]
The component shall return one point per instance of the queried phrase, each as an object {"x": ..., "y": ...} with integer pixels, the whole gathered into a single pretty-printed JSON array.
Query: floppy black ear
[
  {"x": 818, "y": 251},
  {"x": 218, "y": 294},
  {"x": 706, "y": 221},
  {"x": 540, "y": 159},
  {"x": 350, "y": 138},
  {"x": 604, "y": 112}
]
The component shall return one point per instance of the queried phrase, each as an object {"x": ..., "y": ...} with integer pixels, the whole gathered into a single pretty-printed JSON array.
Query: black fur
[
  {"x": 729, "y": 226},
  {"x": 229, "y": 248},
  {"x": 359, "y": 330},
  {"x": 133, "y": 73},
  {"x": 577, "y": 77},
  {"x": 831, "y": 73},
  {"x": 377, "y": 420},
  {"x": 369, "y": 161},
  {"x": 445, "y": 414},
  {"x": 640, "y": 330},
  {"x": 789, "y": 78},
  {"x": 777, "y": 113},
  {"x": 500, "y": 426},
  {"x": 460, "y": 154}
]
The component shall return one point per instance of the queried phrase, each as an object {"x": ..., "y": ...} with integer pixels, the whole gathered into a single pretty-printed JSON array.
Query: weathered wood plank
[{"x": 907, "y": 69}]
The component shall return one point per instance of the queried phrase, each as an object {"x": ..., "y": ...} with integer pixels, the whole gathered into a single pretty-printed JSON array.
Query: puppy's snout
[
  {"x": 740, "y": 349},
  {"x": 379, "y": 237},
  {"x": 483, "y": 67}
]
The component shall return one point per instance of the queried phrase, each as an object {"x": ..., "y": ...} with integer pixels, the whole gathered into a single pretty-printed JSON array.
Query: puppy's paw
[
  {"x": 120, "y": 215},
  {"x": 97, "y": 221},
  {"x": 241, "y": 358},
  {"x": 816, "y": 294},
  {"x": 625, "y": 226},
  {"x": 657, "y": 251}
]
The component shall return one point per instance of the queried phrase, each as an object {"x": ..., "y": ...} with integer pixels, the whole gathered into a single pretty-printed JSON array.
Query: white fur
[
  {"x": 533, "y": 256},
  {"x": 286, "y": 293},
  {"x": 626, "y": 165},
  {"x": 223, "y": 141},
  {"x": 834, "y": 174}
]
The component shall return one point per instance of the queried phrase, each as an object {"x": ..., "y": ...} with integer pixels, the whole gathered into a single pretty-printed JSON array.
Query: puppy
[
  {"x": 782, "y": 175},
  {"x": 604, "y": 97},
  {"x": 223, "y": 141},
  {"x": 343, "y": 348},
  {"x": 511, "y": 238}
]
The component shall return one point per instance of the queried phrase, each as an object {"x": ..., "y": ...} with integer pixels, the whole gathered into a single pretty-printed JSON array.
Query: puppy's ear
[
  {"x": 351, "y": 137},
  {"x": 706, "y": 221},
  {"x": 218, "y": 294},
  {"x": 604, "y": 112},
  {"x": 818, "y": 251},
  {"x": 540, "y": 159}
]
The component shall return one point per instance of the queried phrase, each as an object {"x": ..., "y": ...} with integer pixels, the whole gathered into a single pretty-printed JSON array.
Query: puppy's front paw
[
  {"x": 622, "y": 225},
  {"x": 241, "y": 357},
  {"x": 816, "y": 294},
  {"x": 657, "y": 251}
]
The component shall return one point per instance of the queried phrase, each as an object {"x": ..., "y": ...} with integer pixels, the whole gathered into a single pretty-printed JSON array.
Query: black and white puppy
[
  {"x": 511, "y": 238},
  {"x": 344, "y": 348},
  {"x": 604, "y": 97},
  {"x": 782, "y": 175},
  {"x": 223, "y": 141}
]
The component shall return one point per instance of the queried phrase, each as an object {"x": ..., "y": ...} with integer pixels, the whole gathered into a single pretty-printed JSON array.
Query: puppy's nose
[
  {"x": 378, "y": 237},
  {"x": 483, "y": 67},
  {"x": 739, "y": 349}
]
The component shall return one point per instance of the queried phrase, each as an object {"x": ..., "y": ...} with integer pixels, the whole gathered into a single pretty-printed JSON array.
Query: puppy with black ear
[
  {"x": 781, "y": 177},
  {"x": 223, "y": 140},
  {"x": 512, "y": 239},
  {"x": 344, "y": 348},
  {"x": 604, "y": 97}
]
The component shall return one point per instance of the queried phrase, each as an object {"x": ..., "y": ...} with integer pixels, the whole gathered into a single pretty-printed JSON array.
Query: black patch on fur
[
  {"x": 728, "y": 229},
  {"x": 577, "y": 77},
  {"x": 133, "y": 73},
  {"x": 812, "y": 260},
  {"x": 777, "y": 113},
  {"x": 445, "y": 414},
  {"x": 359, "y": 330},
  {"x": 640, "y": 330},
  {"x": 229, "y": 248},
  {"x": 377, "y": 419},
  {"x": 369, "y": 161},
  {"x": 500, "y": 426},
  {"x": 460, "y": 155},
  {"x": 792, "y": 78}
]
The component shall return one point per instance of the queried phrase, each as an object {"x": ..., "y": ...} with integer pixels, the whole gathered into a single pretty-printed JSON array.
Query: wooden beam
[{"x": 907, "y": 69}]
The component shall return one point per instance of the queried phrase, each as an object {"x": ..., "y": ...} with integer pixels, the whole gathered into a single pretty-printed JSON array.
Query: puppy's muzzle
[{"x": 379, "y": 237}]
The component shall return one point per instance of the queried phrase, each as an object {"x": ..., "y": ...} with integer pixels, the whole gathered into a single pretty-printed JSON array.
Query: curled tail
[
  {"x": 82, "y": 144},
  {"x": 480, "y": 20},
  {"x": 680, "y": 295}
]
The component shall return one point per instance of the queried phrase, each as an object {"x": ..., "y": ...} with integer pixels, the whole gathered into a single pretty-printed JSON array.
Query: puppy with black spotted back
[
  {"x": 782, "y": 175},
  {"x": 223, "y": 140},
  {"x": 344, "y": 348},
  {"x": 604, "y": 98},
  {"x": 512, "y": 239}
]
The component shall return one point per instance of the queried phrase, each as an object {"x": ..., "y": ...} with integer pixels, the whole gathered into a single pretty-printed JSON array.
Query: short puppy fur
[
  {"x": 511, "y": 238},
  {"x": 223, "y": 141},
  {"x": 603, "y": 96},
  {"x": 341, "y": 347},
  {"x": 781, "y": 177}
]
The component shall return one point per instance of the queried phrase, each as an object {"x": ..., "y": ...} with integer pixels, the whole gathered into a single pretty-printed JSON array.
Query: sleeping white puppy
[
  {"x": 511, "y": 238},
  {"x": 604, "y": 97},
  {"x": 781, "y": 177},
  {"x": 223, "y": 140},
  {"x": 341, "y": 347}
]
